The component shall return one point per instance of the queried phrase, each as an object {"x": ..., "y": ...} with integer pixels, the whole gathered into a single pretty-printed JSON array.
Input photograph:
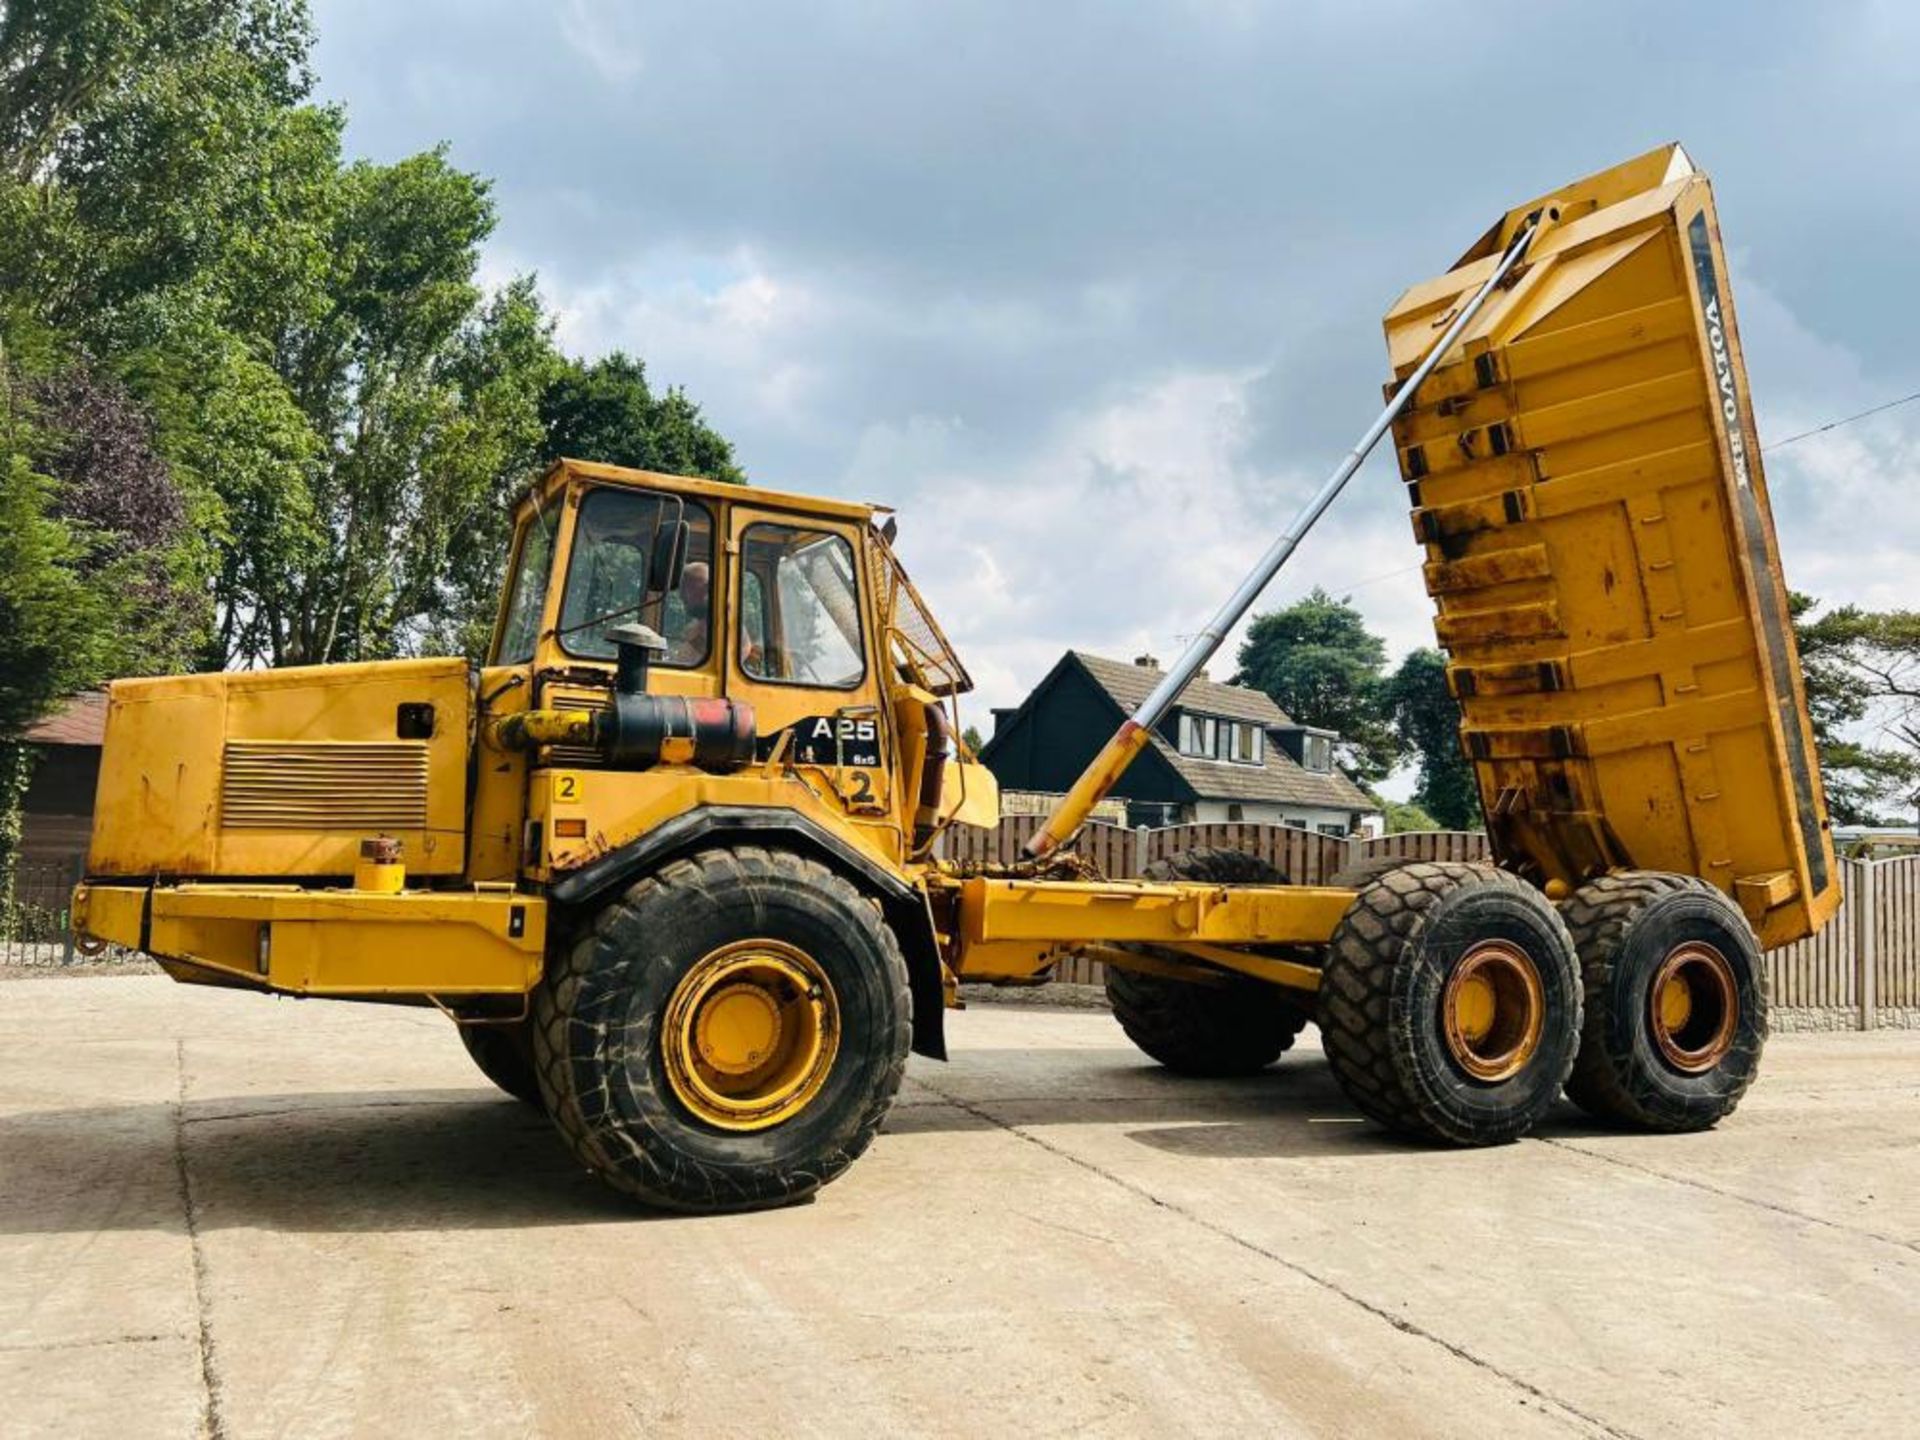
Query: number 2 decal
[
  {"x": 862, "y": 789},
  {"x": 566, "y": 787}
]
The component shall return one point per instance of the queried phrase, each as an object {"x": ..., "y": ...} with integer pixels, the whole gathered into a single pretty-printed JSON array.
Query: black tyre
[
  {"x": 1238, "y": 1027},
  {"x": 1362, "y": 873},
  {"x": 1450, "y": 1003},
  {"x": 504, "y": 1053},
  {"x": 1676, "y": 1003},
  {"x": 728, "y": 1034}
]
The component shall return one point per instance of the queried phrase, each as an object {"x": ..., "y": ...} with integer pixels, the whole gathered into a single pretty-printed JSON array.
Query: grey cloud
[{"x": 979, "y": 234}]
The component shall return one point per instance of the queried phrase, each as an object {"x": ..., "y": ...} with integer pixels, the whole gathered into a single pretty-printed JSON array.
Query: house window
[
  {"x": 1293, "y": 824},
  {"x": 1246, "y": 748},
  {"x": 1199, "y": 735},
  {"x": 1235, "y": 812},
  {"x": 1207, "y": 737},
  {"x": 1319, "y": 753},
  {"x": 1334, "y": 830}
]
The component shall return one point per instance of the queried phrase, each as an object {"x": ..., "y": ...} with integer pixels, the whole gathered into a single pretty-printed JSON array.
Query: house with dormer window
[{"x": 1223, "y": 753}]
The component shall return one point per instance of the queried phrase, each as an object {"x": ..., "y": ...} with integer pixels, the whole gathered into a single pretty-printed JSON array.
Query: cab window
[
  {"x": 529, "y": 595},
  {"x": 612, "y": 544},
  {"x": 800, "y": 610}
]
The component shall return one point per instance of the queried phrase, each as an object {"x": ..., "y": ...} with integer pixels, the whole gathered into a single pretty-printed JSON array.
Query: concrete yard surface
[{"x": 227, "y": 1215}]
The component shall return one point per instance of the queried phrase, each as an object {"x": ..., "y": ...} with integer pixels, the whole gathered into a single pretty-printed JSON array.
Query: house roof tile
[
  {"x": 1281, "y": 780},
  {"x": 82, "y": 720}
]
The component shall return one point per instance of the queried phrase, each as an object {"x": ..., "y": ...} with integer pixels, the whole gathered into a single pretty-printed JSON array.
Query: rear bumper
[{"x": 326, "y": 942}]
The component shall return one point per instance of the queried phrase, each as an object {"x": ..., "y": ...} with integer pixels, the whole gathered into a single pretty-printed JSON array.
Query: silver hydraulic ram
[{"x": 1132, "y": 737}]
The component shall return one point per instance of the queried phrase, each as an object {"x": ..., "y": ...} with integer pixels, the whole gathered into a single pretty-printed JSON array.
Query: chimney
[{"x": 1146, "y": 662}]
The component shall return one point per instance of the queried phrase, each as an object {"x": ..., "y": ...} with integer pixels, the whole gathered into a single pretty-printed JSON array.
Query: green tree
[
  {"x": 1862, "y": 669},
  {"x": 1321, "y": 665},
  {"x": 1426, "y": 718},
  {"x": 89, "y": 520},
  {"x": 344, "y": 413},
  {"x": 1404, "y": 816},
  {"x": 606, "y": 411}
]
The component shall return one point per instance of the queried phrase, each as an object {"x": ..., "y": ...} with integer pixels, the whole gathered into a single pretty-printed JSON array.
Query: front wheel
[{"x": 728, "y": 1034}]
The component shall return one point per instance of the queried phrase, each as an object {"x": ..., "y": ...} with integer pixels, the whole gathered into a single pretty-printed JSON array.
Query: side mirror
[{"x": 669, "y": 559}]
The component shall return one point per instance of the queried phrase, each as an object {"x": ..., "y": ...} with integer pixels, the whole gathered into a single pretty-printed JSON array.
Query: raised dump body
[{"x": 1584, "y": 475}]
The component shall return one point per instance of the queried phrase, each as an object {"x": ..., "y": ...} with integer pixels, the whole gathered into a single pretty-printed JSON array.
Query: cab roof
[{"x": 566, "y": 469}]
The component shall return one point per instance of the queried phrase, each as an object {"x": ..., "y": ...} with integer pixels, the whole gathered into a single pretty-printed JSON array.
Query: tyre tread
[
  {"x": 652, "y": 1174},
  {"x": 1604, "y": 1083},
  {"x": 1202, "y": 1030},
  {"x": 1355, "y": 1006}
]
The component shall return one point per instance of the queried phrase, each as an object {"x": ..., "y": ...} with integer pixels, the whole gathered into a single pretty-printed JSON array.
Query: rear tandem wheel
[
  {"x": 1449, "y": 1006},
  {"x": 1676, "y": 1001}
]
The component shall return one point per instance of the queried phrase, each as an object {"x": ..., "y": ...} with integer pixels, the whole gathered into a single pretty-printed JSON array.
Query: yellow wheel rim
[
  {"x": 1693, "y": 1006},
  {"x": 1493, "y": 1010},
  {"x": 750, "y": 1035}
]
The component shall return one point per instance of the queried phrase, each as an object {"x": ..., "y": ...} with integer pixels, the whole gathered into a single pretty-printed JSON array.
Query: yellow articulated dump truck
[{"x": 670, "y": 860}]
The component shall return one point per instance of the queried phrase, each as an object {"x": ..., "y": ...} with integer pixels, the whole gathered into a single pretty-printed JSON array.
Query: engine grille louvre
[
  {"x": 575, "y": 757},
  {"x": 324, "y": 785}
]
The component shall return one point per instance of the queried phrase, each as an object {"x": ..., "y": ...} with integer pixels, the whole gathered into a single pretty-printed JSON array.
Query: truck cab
[{"x": 795, "y": 612}]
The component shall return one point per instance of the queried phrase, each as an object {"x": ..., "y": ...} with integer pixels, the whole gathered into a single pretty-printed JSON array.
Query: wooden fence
[{"x": 1862, "y": 970}]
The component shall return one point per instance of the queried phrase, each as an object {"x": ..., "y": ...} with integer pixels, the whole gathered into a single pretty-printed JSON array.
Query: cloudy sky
[{"x": 1091, "y": 292}]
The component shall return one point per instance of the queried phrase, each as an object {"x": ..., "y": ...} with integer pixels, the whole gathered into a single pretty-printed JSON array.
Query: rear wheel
[
  {"x": 1450, "y": 1003},
  {"x": 504, "y": 1052},
  {"x": 728, "y": 1034},
  {"x": 1236, "y": 1027},
  {"x": 1364, "y": 872},
  {"x": 1676, "y": 1005}
]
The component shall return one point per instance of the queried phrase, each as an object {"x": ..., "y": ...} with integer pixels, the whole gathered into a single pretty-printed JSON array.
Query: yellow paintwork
[
  {"x": 334, "y": 941},
  {"x": 375, "y": 877},
  {"x": 1061, "y": 911},
  {"x": 1290, "y": 973},
  {"x": 317, "y": 747},
  {"x": 499, "y": 781},
  {"x": 1585, "y": 478},
  {"x": 750, "y": 1034},
  {"x": 969, "y": 795},
  {"x": 621, "y": 805},
  {"x": 1095, "y": 781}
]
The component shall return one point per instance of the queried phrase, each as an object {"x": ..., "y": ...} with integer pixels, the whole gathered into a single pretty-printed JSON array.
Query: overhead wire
[{"x": 1836, "y": 424}]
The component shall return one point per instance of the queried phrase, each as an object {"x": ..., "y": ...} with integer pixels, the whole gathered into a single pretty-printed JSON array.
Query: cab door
[{"x": 801, "y": 649}]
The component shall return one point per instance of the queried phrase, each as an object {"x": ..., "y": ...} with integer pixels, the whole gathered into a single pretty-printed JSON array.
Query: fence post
[{"x": 1866, "y": 946}]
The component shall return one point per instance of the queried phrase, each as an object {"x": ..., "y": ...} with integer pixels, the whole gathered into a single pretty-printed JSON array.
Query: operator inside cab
[
  {"x": 613, "y": 544},
  {"x": 687, "y": 640}
]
